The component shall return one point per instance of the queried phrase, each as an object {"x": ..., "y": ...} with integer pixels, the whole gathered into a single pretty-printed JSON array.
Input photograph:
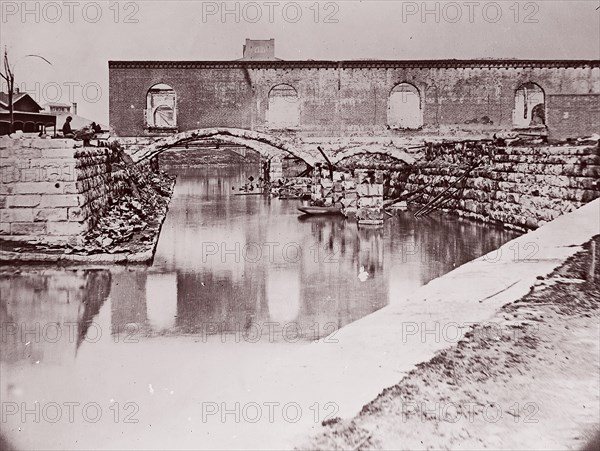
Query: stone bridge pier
[{"x": 51, "y": 191}]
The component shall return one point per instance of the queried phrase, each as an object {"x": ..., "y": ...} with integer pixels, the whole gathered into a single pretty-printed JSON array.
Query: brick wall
[
  {"x": 51, "y": 191},
  {"x": 573, "y": 115},
  {"x": 345, "y": 98},
  {"x": 523, "y": 187}
]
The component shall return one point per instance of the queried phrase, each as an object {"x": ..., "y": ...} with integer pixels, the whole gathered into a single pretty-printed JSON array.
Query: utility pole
[{"x": 9, "y": 76}]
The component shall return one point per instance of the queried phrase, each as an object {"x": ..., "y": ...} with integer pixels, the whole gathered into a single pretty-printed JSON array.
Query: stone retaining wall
[
  {"x": 51, "y": 191},
  {"x": 522, "y": 187}
]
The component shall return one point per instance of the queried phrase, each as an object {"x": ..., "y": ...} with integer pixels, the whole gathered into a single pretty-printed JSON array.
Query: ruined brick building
[{"x": 336, "y": 98}]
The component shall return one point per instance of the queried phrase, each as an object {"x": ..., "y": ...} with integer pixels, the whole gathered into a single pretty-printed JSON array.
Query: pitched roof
[
  {"x": 29, "y": 105},
  {"x": 16, "y": 97}
]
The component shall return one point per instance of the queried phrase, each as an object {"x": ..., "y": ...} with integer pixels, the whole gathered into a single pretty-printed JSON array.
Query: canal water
[{"x": 142, "y": 356}]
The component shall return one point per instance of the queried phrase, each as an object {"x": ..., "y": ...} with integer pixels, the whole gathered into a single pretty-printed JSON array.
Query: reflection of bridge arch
[{"x": 263, "y": 143}]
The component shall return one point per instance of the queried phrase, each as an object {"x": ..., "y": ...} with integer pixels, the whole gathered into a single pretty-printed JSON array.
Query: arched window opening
[
  {"x": 161, "y": 107},
  {"x": 404, "y": 107},
  {"x": 530, "y": 106},
  {"x": 284, "y": 107}
]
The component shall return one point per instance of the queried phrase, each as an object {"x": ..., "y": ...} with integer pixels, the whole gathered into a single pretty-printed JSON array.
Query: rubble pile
[
  {"x": 378, "y": 161},
  {"x": 131, "y": 222}
]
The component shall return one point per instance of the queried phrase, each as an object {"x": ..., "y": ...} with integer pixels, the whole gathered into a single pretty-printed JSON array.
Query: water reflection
[
  {"x": 46, "y": 314},
  {"x": 246, "y": 267}
]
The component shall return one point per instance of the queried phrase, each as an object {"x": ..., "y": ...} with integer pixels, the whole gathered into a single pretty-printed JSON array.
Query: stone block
[
  {"x": 366, "y": 189},
  {"x": 591, "y": 171},
  {"x": 50, "y": 214},
  {"x": 51, "y": 170},
  {"x": 557, "y": 180},
  {"x": 23, "y": 200},
  {"x": 75, "y": 214},
  {"x": 65, "y": 228},
  {"x": 4, "y": 228},
  {"x": 20, "y": 152},
  {"x": 39, "y": 143},
  {"x": 59, "y": 152},
  {"x": 28, "y": 228},
  {"x": 6, "y": 142},
  {"x": 6, "y": 189},
  {"x": 338, "y": 176},
  {"x": 61, "y": 200},
  {"x": 16, "y": 215},
  {"x": 363, "y": 189},
  {"x": 361, "y": 176},
  {"x": 45, "y": 188},
  {"x": 349, "y": 185},
  {"x": 350, "y": 195}
]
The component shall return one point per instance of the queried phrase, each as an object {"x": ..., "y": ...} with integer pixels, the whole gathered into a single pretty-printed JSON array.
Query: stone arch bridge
[{"x": 265, "y": 144}]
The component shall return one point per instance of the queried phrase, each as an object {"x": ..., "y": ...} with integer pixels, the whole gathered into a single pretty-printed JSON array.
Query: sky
[{"x": 78, "y": 38}]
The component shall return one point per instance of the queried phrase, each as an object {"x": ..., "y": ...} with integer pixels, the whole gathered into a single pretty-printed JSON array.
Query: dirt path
[{"x": 528, "y": 379}]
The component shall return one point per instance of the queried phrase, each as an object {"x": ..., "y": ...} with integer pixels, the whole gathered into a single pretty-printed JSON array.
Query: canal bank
[
  {"x": 525, "y": 378},
  {"x": 382, "y": 348}
]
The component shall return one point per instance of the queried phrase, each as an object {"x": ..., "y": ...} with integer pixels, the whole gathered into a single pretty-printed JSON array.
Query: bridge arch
[
  {"x": 397, "y": 154},
  {"x": 266, "y": 145}
]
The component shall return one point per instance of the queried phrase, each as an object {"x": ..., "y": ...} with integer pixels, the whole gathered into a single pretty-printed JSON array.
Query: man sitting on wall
[{"x": 66, "y": 128}]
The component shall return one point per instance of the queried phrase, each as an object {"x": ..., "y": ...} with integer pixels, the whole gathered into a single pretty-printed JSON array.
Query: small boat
[
  {"x": 249, "y": 193},
  {"x": 320, "y": 210}
]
